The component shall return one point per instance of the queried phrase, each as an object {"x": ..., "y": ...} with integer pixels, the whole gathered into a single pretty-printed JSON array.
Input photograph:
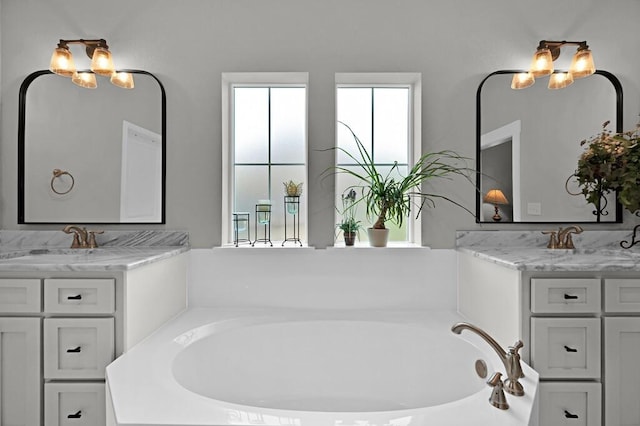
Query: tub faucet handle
[
  {"x": 498, "y": 399},
  {"x": 514, "y": 370}
]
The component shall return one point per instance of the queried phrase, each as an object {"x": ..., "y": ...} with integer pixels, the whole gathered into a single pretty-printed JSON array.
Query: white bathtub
[{"x": 212, "y": 367}]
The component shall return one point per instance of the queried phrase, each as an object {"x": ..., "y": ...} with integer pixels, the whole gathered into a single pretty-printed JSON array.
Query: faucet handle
[
  {"x": 516, "y": 347},
  {"x": 553, "y": 241},
  {"x": 498, "y": 399},
  {"x": 92, "y": 238}
]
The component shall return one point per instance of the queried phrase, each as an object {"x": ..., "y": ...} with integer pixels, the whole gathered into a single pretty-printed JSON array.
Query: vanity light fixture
[
  {"x": 495, "y": 197},
  {"x": 122, "y": 79},
  {"x": 542, "y": 65},
  {"x": 560, "y": 80},
  {"x": 84, "y": 79},
  {"x": 62, "y": 63},
  {"x": 522, "y": 80}
]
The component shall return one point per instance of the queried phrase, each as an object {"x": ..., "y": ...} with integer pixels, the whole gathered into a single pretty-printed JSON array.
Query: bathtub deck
[{"x": 142, "y": 390}]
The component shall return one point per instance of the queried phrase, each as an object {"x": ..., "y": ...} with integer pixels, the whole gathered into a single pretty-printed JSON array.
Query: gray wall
[{"x": 189, "y": 43}]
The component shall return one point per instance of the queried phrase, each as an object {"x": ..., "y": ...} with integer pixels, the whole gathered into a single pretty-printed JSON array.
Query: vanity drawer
[
  {"x": 74, "y": 404},
  {"x": 622, "y": 295},
  {"x": 565, "y": 295},
  {"x": 79, "y": 296},
  {"x": 20, "y": 295},
  {"x": 77, "y": 348},
  {"x": 565, "y": 348},
  {"x": 578, "y": 404}
]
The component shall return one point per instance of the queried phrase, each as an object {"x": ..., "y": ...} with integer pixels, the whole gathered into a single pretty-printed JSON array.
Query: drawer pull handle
[
  {"x": 568, "y": 349},
  {"x": 569, "y": 297},
  {"x": 569, "y": 415},
  {"x": 79, "y": 414},
  {"x": 78, "y": 349},
  {"x": 79, "y": 297}
]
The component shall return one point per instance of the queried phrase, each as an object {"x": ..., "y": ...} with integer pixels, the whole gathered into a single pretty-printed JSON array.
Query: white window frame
[
  {"x": 258, "y": 79},
  {"x": 394, "y": 79}
]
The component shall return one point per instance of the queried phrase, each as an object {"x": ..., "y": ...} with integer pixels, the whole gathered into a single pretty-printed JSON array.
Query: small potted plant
[
  {"x": 349, "y": 225},
  {"x": 391, "y": 199}
]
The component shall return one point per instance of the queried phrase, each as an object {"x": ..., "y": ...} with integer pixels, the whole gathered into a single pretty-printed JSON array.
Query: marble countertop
[
  {"x": 526, "y": 251},
  {"x": 118, "y": 250}
]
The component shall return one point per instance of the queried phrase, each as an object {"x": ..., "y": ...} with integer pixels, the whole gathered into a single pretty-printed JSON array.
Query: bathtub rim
[{"x": 141, "y": 388}]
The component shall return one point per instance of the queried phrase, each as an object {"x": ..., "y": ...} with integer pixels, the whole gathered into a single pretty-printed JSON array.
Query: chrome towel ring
[{"x": 57, "y": 173}]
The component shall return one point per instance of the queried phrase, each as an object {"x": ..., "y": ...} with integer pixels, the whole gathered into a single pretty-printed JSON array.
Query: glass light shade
[
  {"x": 582, "y": 64},
  {"x": 522, "y": 80},
  {"x": 101, "y": 62},
  {"x": 85, "y": 79},
  {"x": 62, "y": 62},
  {"x": 495, "y": 196},
  {"x": 542, "y": 63},
  {"x": 560, "y": 80},
  {"x": 122, "y": 79}
]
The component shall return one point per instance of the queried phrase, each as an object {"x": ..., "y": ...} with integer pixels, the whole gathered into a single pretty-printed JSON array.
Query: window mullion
[
  {"x": 269, "y": 141},
  {"x": 373, "y": 105}
]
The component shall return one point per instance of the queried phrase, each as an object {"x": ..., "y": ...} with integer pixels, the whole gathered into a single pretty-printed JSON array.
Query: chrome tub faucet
[{"x": 510, "y": 359}]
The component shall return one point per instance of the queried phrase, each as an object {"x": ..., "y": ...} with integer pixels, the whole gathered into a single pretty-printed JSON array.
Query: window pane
[
  {"x": 391, "y": 124},
  {"x": 251, "y": 185},
  {"x": 354, "y": 109},
  {"x": 279, "y": 175},
  {"x": 251, "y": 124},
  {"x": 288, "y": 113}
]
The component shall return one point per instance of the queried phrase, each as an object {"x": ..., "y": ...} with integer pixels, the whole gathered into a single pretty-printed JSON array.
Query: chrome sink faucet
[
  {"x": 81, "y": 237},
  {"x": 510, "y": 359}
]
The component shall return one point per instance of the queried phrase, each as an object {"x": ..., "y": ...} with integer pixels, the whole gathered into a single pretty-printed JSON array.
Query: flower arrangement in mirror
[
  {"x": 611, "y": 162},
  {"x": 349, "y": 225}
]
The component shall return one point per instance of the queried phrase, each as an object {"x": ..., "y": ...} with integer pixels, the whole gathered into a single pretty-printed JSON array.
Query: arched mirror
[
  {"x": 91, "y": 155},
  {"x": 528, "y": 145}
]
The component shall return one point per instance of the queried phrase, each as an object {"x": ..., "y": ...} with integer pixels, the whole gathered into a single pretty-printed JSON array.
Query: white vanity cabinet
[
  {"x": 581, "y": 331},
  {"x": 622, "y": 351},
  {"x": 59, "y": 330}
]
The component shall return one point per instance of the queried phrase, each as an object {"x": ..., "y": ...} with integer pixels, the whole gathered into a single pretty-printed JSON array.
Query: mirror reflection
[
  {"x": 91, "y": 155},
  {"x": 528, "y": 145}
]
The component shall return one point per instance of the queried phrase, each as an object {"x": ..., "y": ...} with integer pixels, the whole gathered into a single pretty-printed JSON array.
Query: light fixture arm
[
  {"x": 554, "y": 46},
  {"x": 90, "y": 45}
]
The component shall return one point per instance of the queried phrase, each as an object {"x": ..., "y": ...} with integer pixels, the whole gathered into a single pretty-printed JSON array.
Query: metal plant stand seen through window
[
  {"x": 292, "y": 207},
  {"x": 263, "y": 217},
  {"x": 241, "y": 226}
]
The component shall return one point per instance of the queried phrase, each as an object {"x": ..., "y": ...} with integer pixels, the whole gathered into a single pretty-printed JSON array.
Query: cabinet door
[
  {"x": 566, "y": 348},
  {"x": 570, "y": 403},
  {"x": 74, "y": 404},
  {"x": 20, "y": 371},
  {"x": 20, "y": 295},
  {"x": 79, "y": 295},
  {"x": 77, "y": 348},
  {"x": 622, "y": 371}
]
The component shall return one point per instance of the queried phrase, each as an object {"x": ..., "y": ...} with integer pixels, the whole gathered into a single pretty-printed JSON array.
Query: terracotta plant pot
[{"x": 378, "y": 237}]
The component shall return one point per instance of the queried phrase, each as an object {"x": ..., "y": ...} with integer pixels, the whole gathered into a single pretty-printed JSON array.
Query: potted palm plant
[
  {"x": 349, "y": 225},
  {"x": 391, "y": 197}
]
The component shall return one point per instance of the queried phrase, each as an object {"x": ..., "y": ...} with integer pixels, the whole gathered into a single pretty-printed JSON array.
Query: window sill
[
  {"x": 390, "y": 245},
  {"x": 261, "y": 245}
]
